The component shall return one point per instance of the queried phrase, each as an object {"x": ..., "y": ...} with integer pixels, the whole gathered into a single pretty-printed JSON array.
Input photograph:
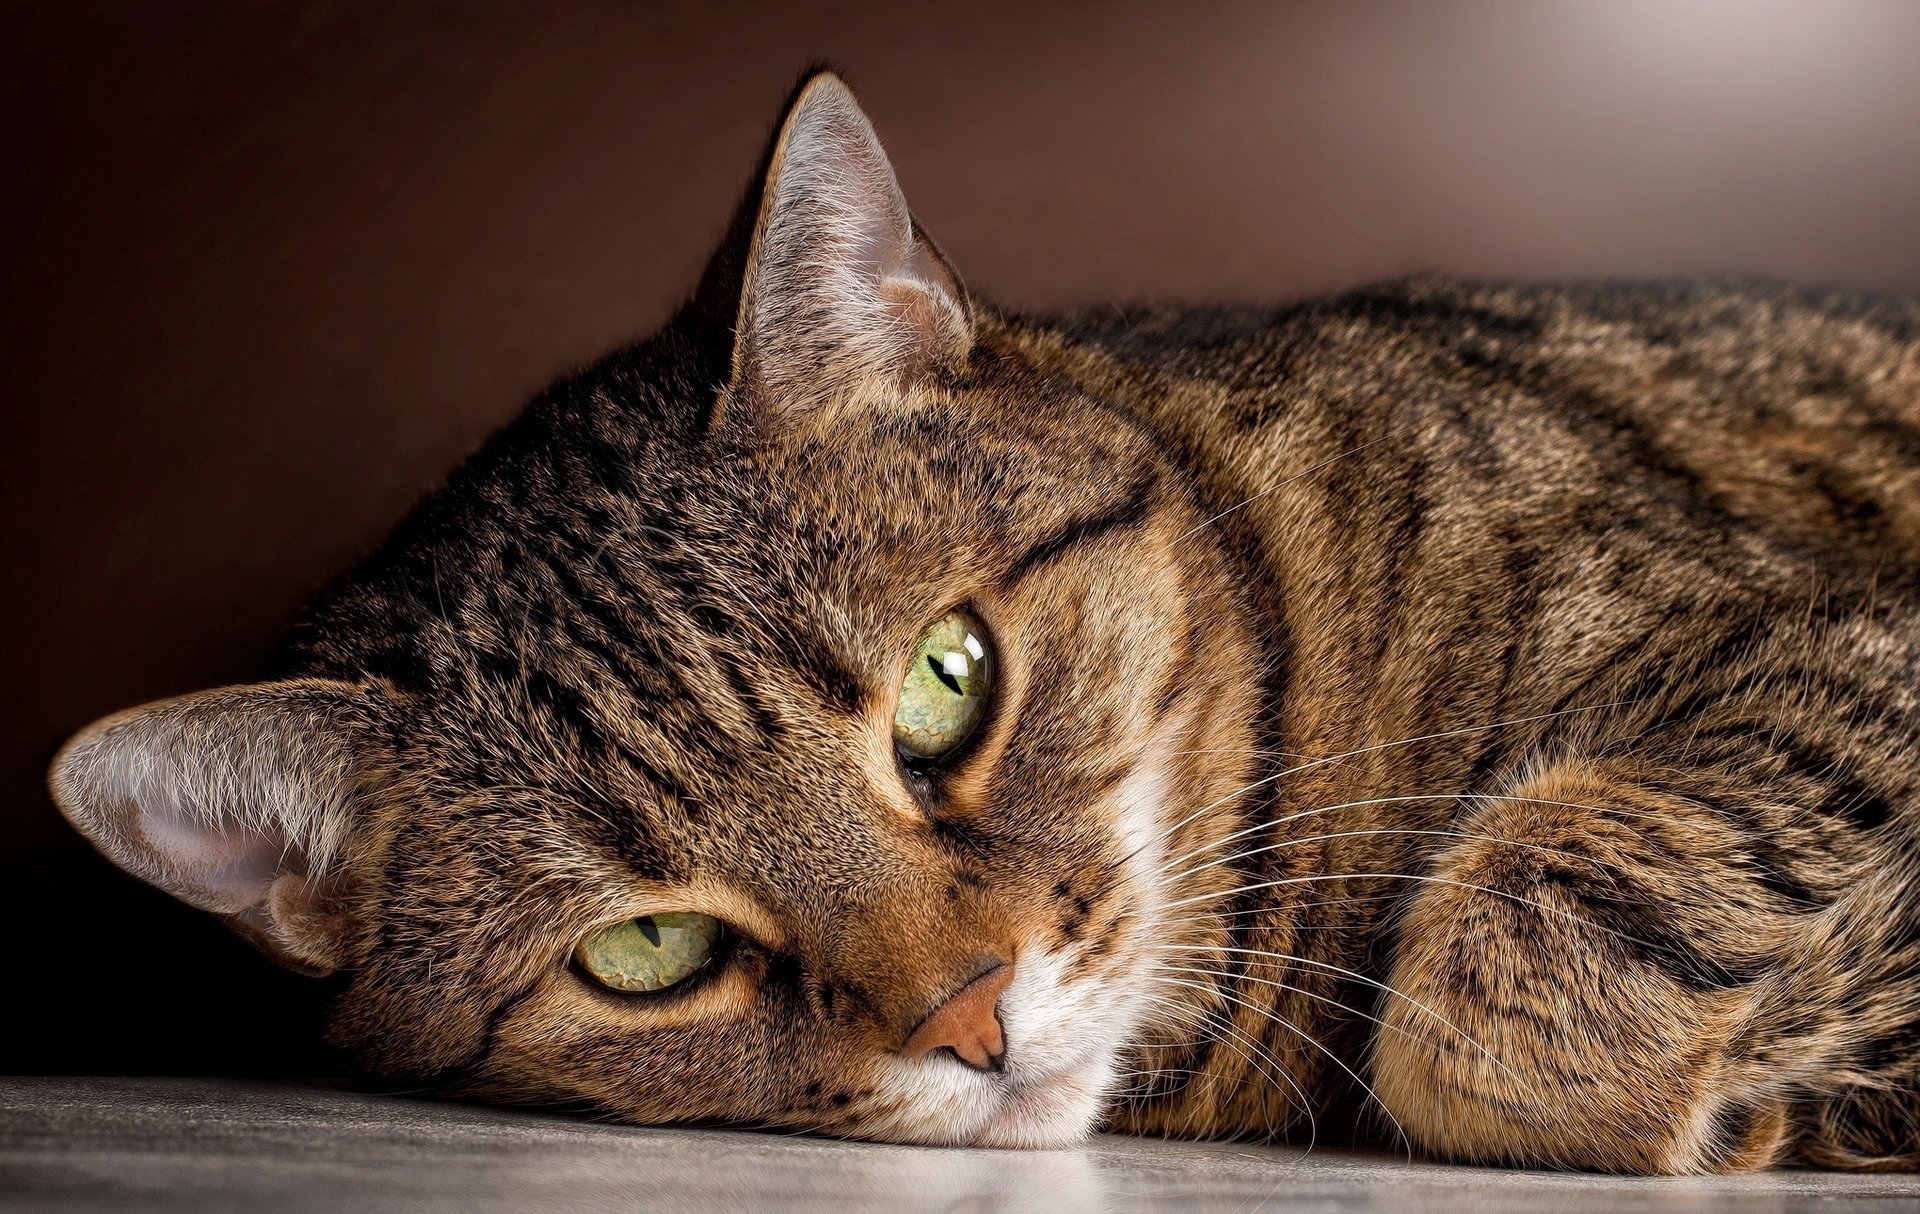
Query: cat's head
[{"x": 806, "y": 717}]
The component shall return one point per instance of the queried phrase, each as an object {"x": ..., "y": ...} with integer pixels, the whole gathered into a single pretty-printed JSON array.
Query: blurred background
[{"x": 272, "y": 269}]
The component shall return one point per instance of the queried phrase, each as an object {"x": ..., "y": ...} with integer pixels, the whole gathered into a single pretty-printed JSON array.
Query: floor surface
[{"x": 207, "y": 1145}]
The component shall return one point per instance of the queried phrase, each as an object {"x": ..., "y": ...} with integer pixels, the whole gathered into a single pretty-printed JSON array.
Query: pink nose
[{"x": 968, "y": 1023}]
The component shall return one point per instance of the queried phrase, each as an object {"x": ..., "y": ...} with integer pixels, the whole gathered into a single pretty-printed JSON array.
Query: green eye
[
  {"x": 650, "y": 953},
  {"x": 946, "y": 689}
]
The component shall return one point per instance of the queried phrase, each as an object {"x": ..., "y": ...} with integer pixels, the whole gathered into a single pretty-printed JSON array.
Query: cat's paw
[{"x": 1549, "y": 1008}]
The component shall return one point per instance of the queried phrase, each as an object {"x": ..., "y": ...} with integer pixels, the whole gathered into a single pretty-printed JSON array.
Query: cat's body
[
  {"x": 1653, "y": 549},
  {"x": 1482, "y": 714}
]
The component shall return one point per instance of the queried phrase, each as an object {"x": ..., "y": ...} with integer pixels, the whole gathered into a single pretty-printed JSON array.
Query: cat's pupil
[
  {"x": 649, "y": 929},
  {"x": 940, "y": 672}
]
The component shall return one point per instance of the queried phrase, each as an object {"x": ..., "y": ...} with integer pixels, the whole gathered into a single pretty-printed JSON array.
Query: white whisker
[
  {"x": 1276, "y": 1018},
  {"x": 1387, "y": 830},
  {"x": 1378, "y": 746},
  {"x": 1377, "y": 985},
  {"x": 1467, "y": 885}
]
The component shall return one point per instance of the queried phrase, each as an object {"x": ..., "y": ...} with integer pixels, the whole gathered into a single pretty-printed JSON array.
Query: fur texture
[{"x": 1470, "y": 715}]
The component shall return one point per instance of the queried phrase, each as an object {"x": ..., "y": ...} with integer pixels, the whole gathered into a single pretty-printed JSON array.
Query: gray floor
[{"x": 181, "y": 1144}]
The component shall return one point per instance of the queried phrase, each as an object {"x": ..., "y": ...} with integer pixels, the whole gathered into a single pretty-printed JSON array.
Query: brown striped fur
[{"x": 1477, "y": 716}]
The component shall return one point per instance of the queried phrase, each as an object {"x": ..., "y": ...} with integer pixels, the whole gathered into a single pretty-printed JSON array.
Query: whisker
[
  {"x": 1214, "y": 917},
  {"x": 1378, "y": 746},
  {"x": 1229, "y": 975},
  {"x": 1467, "y": 885},
  {"x": 1389, "y": 830},
  {"x": 1261, "y": 1060},
  {"x": 1356, "y": 976},
  {"x": 1409, "y": 797},
  {"x": 1276, "y": 1018}
]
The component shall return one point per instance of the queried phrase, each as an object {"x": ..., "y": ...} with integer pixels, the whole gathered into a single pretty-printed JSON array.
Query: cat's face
[
  {"x": 694, "y": 775},
  {"x": 859, "y": 885}
]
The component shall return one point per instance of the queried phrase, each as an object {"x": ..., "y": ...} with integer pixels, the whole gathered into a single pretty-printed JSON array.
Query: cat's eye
[
  {"x": 946, "y": 689},
  {"x": 650, "y": 953}
]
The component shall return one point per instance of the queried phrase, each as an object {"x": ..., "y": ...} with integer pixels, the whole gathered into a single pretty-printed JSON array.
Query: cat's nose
[{"x": 968, "y": 1023}]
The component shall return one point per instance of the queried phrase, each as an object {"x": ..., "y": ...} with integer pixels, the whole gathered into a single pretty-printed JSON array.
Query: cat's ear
[
  {"x": 237, "y": 801},
  {"x": 840, "y": 283}
]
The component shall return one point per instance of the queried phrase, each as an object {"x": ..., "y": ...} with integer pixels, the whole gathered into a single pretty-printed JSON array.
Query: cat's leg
[{"x": 1599, "y": 975}]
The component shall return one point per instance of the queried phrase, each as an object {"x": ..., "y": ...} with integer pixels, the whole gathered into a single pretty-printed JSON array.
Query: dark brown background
[{"x": 272, "y": 269}]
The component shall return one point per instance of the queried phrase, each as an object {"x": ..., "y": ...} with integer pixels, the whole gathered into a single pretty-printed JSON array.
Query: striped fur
[{"x": 1476, "y": 716}]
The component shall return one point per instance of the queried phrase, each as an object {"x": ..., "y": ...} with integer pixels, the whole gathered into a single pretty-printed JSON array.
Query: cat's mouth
[
  {"x": 1023, "y": 1105},
  {"x": 1054, "y": 1110},
  {"x": 1018, "y": 1108},
  {"x": 1063, "y": 1043}
]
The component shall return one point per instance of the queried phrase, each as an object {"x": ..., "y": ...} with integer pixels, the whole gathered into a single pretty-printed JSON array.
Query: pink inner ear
[
  {"x": 226, "y": 869},
  {"x": 218, "y": 796}
]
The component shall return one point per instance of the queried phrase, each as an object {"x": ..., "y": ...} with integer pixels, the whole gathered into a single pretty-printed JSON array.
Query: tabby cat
[{"x": 1469, "y": 716}]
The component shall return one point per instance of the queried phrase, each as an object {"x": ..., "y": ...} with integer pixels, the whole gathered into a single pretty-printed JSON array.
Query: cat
[{"x": 1469, "y": 716}]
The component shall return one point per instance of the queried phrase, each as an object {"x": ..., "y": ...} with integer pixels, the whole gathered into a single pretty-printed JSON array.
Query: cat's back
[{"x": 1742, "y": 422}]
